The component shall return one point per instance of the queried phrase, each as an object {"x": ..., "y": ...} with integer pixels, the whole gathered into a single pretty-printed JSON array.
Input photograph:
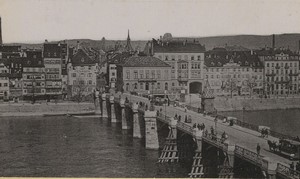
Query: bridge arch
[{"x": 195, "y": 87}]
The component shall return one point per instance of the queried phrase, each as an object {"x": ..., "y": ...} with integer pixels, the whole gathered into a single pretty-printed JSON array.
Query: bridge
[{"x": 184, "y": 142}]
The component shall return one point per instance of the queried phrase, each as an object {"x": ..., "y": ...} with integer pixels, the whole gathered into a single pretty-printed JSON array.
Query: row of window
[
  {"x": 179, "y": 57},
  {"x": 82, "y": 75},
  {"x": 82, "y": 82},
  {"x": 286, "y": 78},
  {"x": 282, "y": 71},
  {"x": 289, "y": 64},
  {"x": 228, "y": 76},
  {"x": 147, "y": 86},
  {"x": 142, "y": 74},
  {"x": 3, "y": 84},
  {"x": 229, "y": 70}
]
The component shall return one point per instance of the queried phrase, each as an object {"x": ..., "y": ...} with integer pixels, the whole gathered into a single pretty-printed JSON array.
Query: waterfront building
[
  {"x": 82, "y": 74},
  {"x": 53, "y": 58},
  {"x": 144, "y": 75},
  {"x": 186, "y": 60},
  {"x": 4, "y": 81},
  {"x": 234, "y": 74},
  {"x": 33, "y": 82},
  {"x": 281, "y": 68}
]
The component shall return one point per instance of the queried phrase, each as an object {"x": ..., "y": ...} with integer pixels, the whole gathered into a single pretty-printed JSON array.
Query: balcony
[
  {"x": 271, "y": 74},
  {"x": 183, "y": 79},
  {"x": 293, "y": 74}
]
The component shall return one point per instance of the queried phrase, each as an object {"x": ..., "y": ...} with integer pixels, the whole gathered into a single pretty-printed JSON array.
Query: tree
[
  {"x": 230, "y": 85},
  {"x": 79, "y": 89},
  {"x": 251, "y": 83}
]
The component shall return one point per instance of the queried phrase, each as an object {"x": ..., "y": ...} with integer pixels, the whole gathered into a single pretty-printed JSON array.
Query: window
[
  {"x": 141, "y": 74},
  {"x": 158, "y": 85},
  {"x": 192, "y": 57},
  {"x": 147, "y": 73},
  {"x": 166, "y": 86},
  {"x": 90, "y": 75},
  {"x": 128, "y": 74},
  {"x": 141, "y": 86},
  {"x": 127, "y": 86},
  {"x": 90, "y": 82},
  {"x": 135, "y": 86},
  {"x": 173, "y": 84},
  {"x": 74, "y": 82},
  {"x": 198, "y": 57},
  {"x": 158, "y": 74},
  {"x": 153, "y": 74},
  {"x": 135, "y": 74}
]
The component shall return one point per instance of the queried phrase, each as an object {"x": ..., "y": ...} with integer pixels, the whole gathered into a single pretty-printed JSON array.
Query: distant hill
[{"x": 248, "y": 41}]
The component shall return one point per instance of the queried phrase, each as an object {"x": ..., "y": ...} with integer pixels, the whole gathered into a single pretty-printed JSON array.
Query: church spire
[{"x": 128, "y": 44}]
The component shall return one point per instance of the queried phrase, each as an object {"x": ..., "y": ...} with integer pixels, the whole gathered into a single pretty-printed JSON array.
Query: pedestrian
[
  {"x": 298, "y": 166},
  {"x": 179, "y": 118},
  {"x": 175, "y": 116},
  {"x": 258, "y": 149},
  {"x": 198, "y": 126},
  {"x": 266, "y": 132},
  {"x": 194, "y": 126},
  {"x": 185, "y": 120},
  {"x": 203, "y": 126},
  {"x": 292, "y": 167}
]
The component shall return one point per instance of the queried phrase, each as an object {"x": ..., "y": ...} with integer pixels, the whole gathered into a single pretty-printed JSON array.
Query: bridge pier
[
  {"x": 269, "y": 168},
  {"x": 97, "y": 104},
  {"x": 136, "y": 122},
  {"x": 197, "y": 167},
  {"x": 112, "y": 109},
  {"x": 228, "y": 163},
  {"x": 170, "y": 152},
  {"x": 104, "y": 107},
  {"x": 125, "y": 125},
  {"x": 151, "y": 130}
]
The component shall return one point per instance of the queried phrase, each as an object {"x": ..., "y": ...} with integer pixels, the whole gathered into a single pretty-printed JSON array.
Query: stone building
[
  {"x": 144, "y": 75},
  {"x": 234, "y": 74},
  {"x": 281, "y": 68},
  {"x": 4, "y": 81},
  {"x": 82, "y": 74},
  {"x": 34, "y": 78},
  {"x": 186, "y": 59}
]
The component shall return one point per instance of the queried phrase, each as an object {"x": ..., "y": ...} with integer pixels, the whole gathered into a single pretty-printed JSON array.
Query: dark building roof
[
  {"x": 52, "y": 50},
  {"x": 119, "y": 58},
  {"x": 34, "y": 54},
  {"x": 144, "y": 61},
  {"x": 10, "y": 48},
  {"x": 244, "y": 60},
  {"x": 177, "y": 47},
  {"x": 81, "y": 59},
  {"x": 273, "y": 52}
]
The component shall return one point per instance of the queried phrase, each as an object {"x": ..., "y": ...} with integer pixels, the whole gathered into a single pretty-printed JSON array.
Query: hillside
[{"x": 248, "y": 41}]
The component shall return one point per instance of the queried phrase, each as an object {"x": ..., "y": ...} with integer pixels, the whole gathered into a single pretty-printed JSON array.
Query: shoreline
[{"x": 43, "y": 109}]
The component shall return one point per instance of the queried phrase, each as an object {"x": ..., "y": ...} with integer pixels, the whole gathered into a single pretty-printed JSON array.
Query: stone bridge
[{"x": 208, "y": 155}]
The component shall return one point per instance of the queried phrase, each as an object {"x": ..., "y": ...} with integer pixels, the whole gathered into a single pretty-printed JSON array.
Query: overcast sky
[{"x": 36, "y": 20}]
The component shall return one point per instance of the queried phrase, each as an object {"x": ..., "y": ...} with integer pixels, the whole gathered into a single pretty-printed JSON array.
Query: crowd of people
[
  {"x": 295, "y": 167},
  {"x": 264, "y": 132}
]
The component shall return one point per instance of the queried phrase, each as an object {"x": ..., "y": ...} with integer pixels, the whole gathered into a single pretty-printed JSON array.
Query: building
[
  {"x": 9, "y": 51},
  {"x": 34, "y": 78},
  {"x": 82, "y": 75},
  {"x": 53, "y": 61},
  {"x": 4, "y": 81},
  {"x": 232, "y": 75},
  {"x": 186, "y": 60},
  {"x": 144, "y": 75},
  {"x": 281, "y": 71}
]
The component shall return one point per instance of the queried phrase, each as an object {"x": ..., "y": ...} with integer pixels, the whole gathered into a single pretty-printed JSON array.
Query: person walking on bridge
[{"x": 258, "y": 149}]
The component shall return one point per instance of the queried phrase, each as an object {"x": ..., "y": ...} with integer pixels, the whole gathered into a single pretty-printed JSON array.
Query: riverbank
[
  {"x": 27, "y": 109},
  {"x": 249, "y": 104}
]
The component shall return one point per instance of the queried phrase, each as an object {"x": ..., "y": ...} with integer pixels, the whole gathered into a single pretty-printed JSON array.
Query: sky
[{"x": 37, "y": 20}]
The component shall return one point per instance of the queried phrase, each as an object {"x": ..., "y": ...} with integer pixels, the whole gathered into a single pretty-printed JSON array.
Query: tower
[
  {"x": 207, "y": 99},
  {"x": 0, "y": 32},
  {"x": 128, "y": 46},
  {"x": 273, "y": 41}
]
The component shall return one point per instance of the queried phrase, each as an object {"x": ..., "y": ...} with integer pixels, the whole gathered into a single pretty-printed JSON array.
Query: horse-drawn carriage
[{"x": 286, "y": 147}]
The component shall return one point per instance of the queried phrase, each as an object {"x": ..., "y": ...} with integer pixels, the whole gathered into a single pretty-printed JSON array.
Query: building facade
[
  {"x": 82, "y": 75},
  {"x": 144, "y": 75},
  {"x": 186, "y": 60},
  {"x": 4, "y": 81},
  {"x": 233, "y": 75},
  {"x": 34, "y": 79}
]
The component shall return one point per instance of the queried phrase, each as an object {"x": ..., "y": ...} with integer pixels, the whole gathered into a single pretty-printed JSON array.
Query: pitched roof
[
  {"x": 207, "y": 91},
  {"x": 120, "y": 58},
  {"x": 177, "y": 47},
  {"x": 273, "y": 52},
  {"x": 144, "y": 61},
  {"x": 81, "y": 59},
  {"x": 10, "y": 48},
  {"x": 52, "y": 50},
  {"x": 244, "y": 60}
]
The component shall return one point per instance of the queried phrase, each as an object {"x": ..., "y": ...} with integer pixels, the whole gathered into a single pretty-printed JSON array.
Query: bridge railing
[
  {"x": 164, "y": 118},
  {"x": 247, "y": 125},
  {"x": 287, "y": 171},
  {"x": 214, "y": 140},
  {"x": 248, "y": 155},
  {"x": 185, "y": 127}
]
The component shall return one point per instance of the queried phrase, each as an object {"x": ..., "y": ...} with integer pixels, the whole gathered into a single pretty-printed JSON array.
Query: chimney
[
  {"x": 273, "y": 41},
  {"x": 46, "y": 41},
  {"x": 0, "y": 32}
]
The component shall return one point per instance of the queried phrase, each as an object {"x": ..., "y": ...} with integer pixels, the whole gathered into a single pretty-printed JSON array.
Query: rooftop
[
  {"x": 177, "y": 47},
  {"x": 144, "y": 61},
  {"x": 81, "y": 59}
]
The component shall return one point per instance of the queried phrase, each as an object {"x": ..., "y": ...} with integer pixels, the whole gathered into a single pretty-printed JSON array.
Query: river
[
  {"x": 286, "y": 121},
  {"x": 74, "y": 147}
]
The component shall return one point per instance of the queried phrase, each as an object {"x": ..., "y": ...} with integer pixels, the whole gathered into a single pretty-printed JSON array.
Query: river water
[
  {"x": 74, "y": 147},
  {"x": 286, "y": 121},
  {"x": 93, "y": 147}
]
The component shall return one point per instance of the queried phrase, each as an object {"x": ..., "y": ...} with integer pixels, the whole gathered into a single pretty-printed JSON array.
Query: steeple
[
  {"x": 128, "y": 46},
  {"x": 0, "y": 32}
]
